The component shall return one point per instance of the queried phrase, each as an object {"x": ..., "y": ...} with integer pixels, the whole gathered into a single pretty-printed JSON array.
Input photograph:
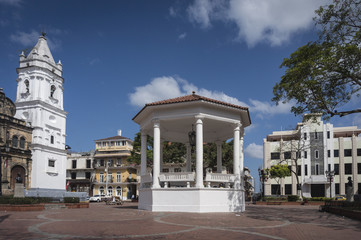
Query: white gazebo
[{"x": 174, "y": 120}]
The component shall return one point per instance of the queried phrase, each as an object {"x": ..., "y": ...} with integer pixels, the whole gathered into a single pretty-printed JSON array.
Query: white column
[
  {"x": 219, "y": 156},
  {"x": 241, "y": 160},
  {"x": 156, "y": 154},
  {"x": 143, "y": 154},
  {"x": 199, "y": 153},
  {"x": 161, "y": 154},
  {"x": 189, "y": 157},
  {"x": 236, "y": 152}
]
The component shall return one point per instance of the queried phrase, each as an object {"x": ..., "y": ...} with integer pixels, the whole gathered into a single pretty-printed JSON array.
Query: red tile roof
[{"x": 194, "y": 97}]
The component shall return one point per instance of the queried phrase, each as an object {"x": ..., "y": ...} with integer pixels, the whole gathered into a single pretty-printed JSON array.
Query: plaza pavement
[{"x": 101, "y": 221}]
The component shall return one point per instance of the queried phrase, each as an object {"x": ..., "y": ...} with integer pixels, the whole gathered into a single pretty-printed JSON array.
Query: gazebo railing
[
  {"x": 177, "y": 177},
  {"x": 220, "y": 178}
]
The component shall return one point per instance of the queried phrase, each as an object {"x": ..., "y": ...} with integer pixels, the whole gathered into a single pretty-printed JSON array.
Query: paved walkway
[{"x": 102, "y": 221}]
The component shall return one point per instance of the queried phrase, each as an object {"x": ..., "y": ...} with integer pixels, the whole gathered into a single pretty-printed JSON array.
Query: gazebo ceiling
[{"x": 176, "y": 117}]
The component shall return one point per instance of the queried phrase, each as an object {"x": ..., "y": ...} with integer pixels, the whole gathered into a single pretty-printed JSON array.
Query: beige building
[
  {"x": 15, "y": 148},
  {"x": 321, "y": 150},
  {"x": 114, "y": 175}
]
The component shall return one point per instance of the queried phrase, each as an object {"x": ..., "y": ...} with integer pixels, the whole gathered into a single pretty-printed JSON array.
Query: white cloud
[
  {"x": 161, "y": 88},
  {"x": 15, "y": 3},
  {"x": 263, "y": 109},
  {"x": 29, "y": 39},
  {"x": 254, "y": 151},
  {"x": 182, "y": 36},
  {"x": 257, "y": 21}
]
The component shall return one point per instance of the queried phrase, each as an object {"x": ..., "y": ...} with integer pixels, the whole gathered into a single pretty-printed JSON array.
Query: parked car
[
  {"x": 95, "y": 198},
  {"x": 340, "y": 198}
]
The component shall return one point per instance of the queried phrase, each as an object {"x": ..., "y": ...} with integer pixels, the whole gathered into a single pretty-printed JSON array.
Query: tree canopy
[{"x": 322, "y": 76}]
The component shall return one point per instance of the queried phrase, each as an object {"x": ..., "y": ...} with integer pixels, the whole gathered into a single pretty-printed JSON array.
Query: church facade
[{"x": 39, "y": 102}]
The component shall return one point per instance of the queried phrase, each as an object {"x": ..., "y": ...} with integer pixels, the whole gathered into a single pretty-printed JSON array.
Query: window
[
  {"x": 336, "y": 168},
  {"x": 288, "y": 189},
  {"x": 101, "y": 177},
  {"x": 316, "y": 135},
  {"x": 110, "y": 163},
  {"x": 306, "y": 173},
  {"x": 298, "y": 170},
  {"x": 22, "y": 142},
  {"x": 328, "y": 134},
  {"x": 348, "y": 168},
  {"x": 51, "y": 163},
  {"x": 287, "y": 155},
  {"x": 298, "y": 154},
  {"x": 15, "y": 141},
  {"x": 52, "y": 139},
  {"x": 328, "y": 153},
  {"x": 102, "y": 162},
  {"x": 177, "y": 170},
  {"x": 305, "y": 136},
  {"x": 275, "y": 155},
  {"x": 110, "y": 177},
  {"x": 329, "y": 167},
  {"x": 275, "y": 189},
  {"x": 305, "y": 154},
  {"x": 337, "y": 188},
  {"x": 52, "y": 90},
  {"x": 74, "y": 164},
  {"x": 27, "y": 86},
  {"x": 359, "y": 152},
  {"x": 110, "y": 191},
  {"x": 358, "y": 168},
  {"x": 87, "y": 175},
  {"x": 336, "y": 153},
  {"x": 101, "y": 190},
  {"x": 166, "y": 170},
  {"x": 317, "y": 169},
  {"x": 119, "y": 179},
  {"x": 359, "y": 188},
  {"x": 88, "y": 163},
  {"x": 119, "y": 191},
  {"x": 73, "y": 175},
  {"x": 348, "y": 152},
  {"x": 316, "y": 154}
]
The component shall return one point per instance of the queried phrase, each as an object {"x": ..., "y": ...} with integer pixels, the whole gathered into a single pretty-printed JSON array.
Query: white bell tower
[{"x": 39, "y": 101}]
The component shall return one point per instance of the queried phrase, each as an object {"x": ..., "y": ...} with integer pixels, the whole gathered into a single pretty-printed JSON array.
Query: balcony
[{"x": 316, "y": 179}]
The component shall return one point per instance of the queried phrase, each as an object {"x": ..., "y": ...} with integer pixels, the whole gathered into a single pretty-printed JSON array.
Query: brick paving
[{"x": 102, "y": 221}]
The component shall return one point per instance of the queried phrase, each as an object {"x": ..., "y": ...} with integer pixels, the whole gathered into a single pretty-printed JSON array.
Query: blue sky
[{"x": 118, "y": 55}]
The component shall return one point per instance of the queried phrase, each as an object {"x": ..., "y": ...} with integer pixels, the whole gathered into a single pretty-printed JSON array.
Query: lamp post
[
  {"x": 330, "y": 175},
  {"x": 263, "y": 176}
]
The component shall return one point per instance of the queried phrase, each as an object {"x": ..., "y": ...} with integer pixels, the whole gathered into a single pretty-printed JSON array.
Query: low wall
[
  {"x": 290, "y": 203},
  {"x": 345, "y": 212},
  {"x": 41, "y": 206}
]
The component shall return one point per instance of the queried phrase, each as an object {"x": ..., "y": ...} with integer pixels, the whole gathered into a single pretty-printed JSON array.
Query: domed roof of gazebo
[{"x": 177, "y": 115}]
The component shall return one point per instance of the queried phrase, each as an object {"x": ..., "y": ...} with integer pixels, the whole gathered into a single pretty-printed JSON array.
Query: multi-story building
[
  {"x": 114, "y": 174},
  {"x": 80, "y": 172},
  {"x": 315, "y": 150},
  {"x": 15, "y": 147}
]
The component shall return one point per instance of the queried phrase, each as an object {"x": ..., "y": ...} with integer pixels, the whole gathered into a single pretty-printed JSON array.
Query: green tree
[
  {"x": 135, "y": 153},
  {"x": 323, "y": 75},
  {"x": 278, "y": 172}
]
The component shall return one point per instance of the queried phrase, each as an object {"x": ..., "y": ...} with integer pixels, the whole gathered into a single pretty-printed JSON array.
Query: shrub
[
  {"x": 71, "y": 200},
  {"x": 26, "y": 200},
  {"x": 293, "y": 198}
]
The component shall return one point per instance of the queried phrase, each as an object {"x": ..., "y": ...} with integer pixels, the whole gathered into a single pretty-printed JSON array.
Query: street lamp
[
  {"x": 330, "y": 175},
  {"x": 7, "y": 150},
  {"x": 263, "y": 176}
]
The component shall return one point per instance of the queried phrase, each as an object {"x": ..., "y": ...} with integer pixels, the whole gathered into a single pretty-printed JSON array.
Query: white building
[
  {"x": 319, "y": 148},
  {"x": 39, "y": 101}
]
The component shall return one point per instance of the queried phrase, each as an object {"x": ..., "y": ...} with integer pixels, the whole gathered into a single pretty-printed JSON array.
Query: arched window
[
  {"x": 22, "y": 142},
  {"x": 119, "y": 191},
  {"x": 52, "y": 139},
  {"x": 27, "y": 86},
  {"x": 52, "y": 90},
  {"x": 15, "y": 141},
  {"x": 110, "y": 191},
  {"x": 101, "y": 190}
]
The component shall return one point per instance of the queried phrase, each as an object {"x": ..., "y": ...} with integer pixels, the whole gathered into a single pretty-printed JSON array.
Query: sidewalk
[{"x": 102, "y": 221}]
